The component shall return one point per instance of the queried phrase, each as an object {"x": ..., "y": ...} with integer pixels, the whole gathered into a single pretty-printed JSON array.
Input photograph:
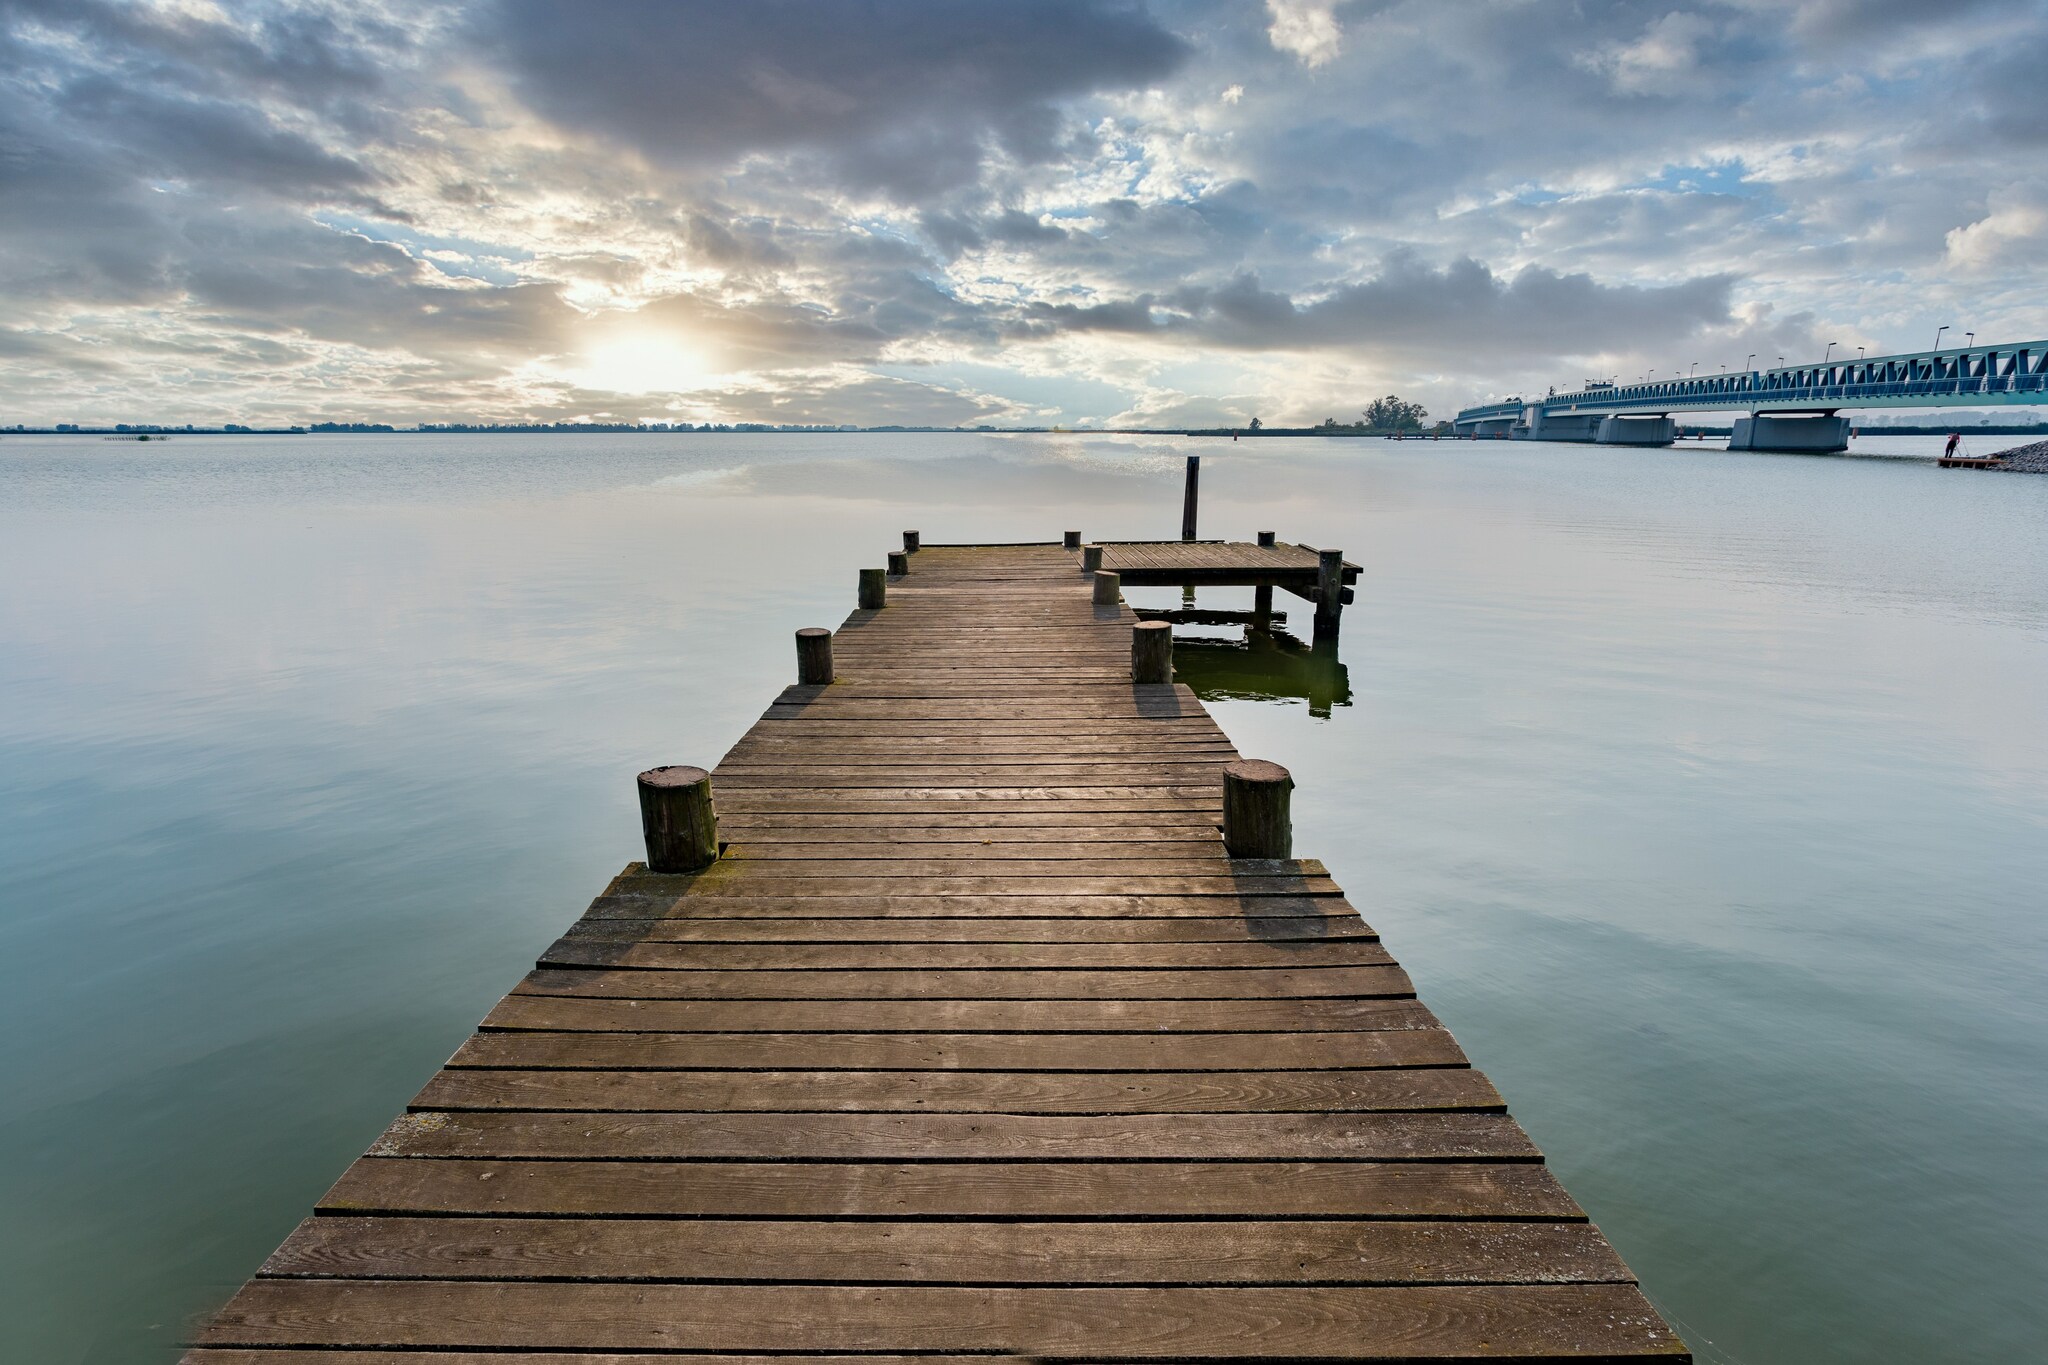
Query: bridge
[{"x": 1793, "y": 408}]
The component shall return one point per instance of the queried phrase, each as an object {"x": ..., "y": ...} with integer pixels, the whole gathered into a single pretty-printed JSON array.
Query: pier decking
[{"x": 974, "y": 1041}]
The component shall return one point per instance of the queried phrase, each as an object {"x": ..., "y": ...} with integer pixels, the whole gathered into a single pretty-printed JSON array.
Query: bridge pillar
[
  {"x": 1624, "y": 430},
  {"x": 1538, "y": 425},
  {"x": 1804, "y": 433}
]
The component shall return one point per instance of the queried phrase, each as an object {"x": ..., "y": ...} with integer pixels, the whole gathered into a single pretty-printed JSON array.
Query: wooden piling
[
  {"x": 1329, "y": 590},
  {"x": 1071, "y": 540},
  {"x": 1190, "y": 497},
  {"x": 813, "y": 656},
  {"x": 1091, "y": 558},
  {"x": 1256, "y": 821},
  {"x": 874, "y": 589},
  {"x": 677, "y": 819},
  {"x": 1108, "y": 589},
  {"x": 910, "y": 542},
  {"x": 899, "y": 563},
  {"x": 1152, "y": 652}
]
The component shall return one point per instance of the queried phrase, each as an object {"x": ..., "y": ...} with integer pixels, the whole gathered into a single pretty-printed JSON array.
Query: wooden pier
[{"x": 974, "y": 1040}]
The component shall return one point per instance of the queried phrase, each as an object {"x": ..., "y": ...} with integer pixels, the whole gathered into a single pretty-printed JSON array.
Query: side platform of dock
[{"x": 974, "y": 1041}]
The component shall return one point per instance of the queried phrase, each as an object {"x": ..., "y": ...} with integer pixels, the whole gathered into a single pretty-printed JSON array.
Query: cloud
[
  {"x": 902, "y": 97},
  {"x": 1306, "y": 29},
  {"x": 926, "y": 210}
]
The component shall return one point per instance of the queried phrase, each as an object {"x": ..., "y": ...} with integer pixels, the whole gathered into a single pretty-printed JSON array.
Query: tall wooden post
[
  {"x": 1262, "y": 607},
  {"x": 899, "y": 563},
  {"x": 1256, "y": 820},
  {"x": 874, "y": 589},
  {"x": 1188, "y": 499},
  {"x": 1071, "y": 540},
  {"x": 1152, "y": 652},
  {"x": 1329, "y": 591},
  {"x": 677, "y": 819},
  {"x": 813, "y": 656},
  {"x": 1109, "y": 589},
  {"x": 1091, "y": 558},
  {"x": 910, "y": 542}
]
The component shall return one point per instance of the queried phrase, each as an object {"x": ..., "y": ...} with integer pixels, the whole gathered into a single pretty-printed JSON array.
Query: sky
[{"x": 1033, "y": 212}]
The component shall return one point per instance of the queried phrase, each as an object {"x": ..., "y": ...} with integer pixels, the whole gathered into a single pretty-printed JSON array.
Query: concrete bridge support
[
  {"x": 1804, "y": 433},
  {"x": 1538, "y": 425},
  {"x": 1620, "y": 430}
]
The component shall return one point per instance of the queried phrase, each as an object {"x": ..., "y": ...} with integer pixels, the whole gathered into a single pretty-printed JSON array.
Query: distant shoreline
[{"x": 154, "y": 433}]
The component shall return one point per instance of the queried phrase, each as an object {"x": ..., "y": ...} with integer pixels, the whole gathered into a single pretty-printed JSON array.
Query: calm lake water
[{"x": 1705, "y": 796}]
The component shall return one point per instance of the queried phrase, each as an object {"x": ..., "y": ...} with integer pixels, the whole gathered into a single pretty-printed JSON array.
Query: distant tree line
[{"x": 1389, "y": 414}]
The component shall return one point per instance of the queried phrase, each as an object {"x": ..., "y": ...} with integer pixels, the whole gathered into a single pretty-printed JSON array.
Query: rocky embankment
[{"x": 2031, "y": 459}]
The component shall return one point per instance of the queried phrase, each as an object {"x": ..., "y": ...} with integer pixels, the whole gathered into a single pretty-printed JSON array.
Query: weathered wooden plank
[
  {"x": 1604, "y": 1321},
  {"x": 608, "y": 951},
  {"x": 1046, "y": 929},
  {"x": 1245, "y": 983},
  {"x": 1250, "y": 905},
  {"x": 976, "y": 1189},
  {"x": 1410, "y": 1090},
  {"x": 1290, "y": 1252},
  {"x": 585, "y": 1013},
  {"x": 961, "y": 1051}
]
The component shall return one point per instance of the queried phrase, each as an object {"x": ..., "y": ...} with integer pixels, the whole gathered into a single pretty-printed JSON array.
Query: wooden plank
[
  {"x": 1249, "y": 905},
  {"x": 610, "y": 951},
  {"x": 1002, "y": 1253},
  {"x": 1403, "y": 1090},
  {"x": 557, "y": 1012},
  {"x": 1247, "y": 983},
  {"x": 1045, "y": 929},
  {"x": 851, "y": 1189},
  {"x": 961, "y": 1051},
  {"x": 1607, "y": 1321}
]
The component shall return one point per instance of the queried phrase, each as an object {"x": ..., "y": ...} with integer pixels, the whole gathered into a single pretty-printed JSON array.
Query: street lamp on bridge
[
  {"x": 1937, "y": 335},
  {"x": 1745, "y": 363},
  {"x": 1829, "y": 351}
]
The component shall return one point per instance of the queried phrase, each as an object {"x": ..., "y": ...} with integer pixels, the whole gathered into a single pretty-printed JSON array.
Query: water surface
[{"x": 1704, "y": 794}]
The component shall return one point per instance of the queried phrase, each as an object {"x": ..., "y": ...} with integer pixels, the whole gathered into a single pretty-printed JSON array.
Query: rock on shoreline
[{"x": 2031, "y": 459}]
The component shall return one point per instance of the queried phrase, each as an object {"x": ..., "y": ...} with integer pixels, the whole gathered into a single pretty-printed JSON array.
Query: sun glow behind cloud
[{"x": 642, "y": 362}]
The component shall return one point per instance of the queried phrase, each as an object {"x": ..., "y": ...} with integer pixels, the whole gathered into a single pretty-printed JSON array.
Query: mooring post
[
  {"x": 1152, "y": 652},
  {"x": 1262, "y": 607},
  {"x": 874, "y": 589},
  {"x": 1091, "y": 558},
  {"x": 813, "y": 656},
  {"x": 910, "y": 542},
  {"x": 1329, "y": 590},
  {"x": 677, "y": 819},
  {"x": 1072, "y": 540},
  {"x": 1188, "y": 500},
  {"x": 1256, "y": 822},
  {"x": 899, "y": 563},
  {"x": 1266, "y": 539},
  {"x": 1109, "y": 589}
]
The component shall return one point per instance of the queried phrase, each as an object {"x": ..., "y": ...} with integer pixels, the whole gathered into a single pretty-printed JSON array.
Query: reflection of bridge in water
[{"x": 1793, "y": 408}]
